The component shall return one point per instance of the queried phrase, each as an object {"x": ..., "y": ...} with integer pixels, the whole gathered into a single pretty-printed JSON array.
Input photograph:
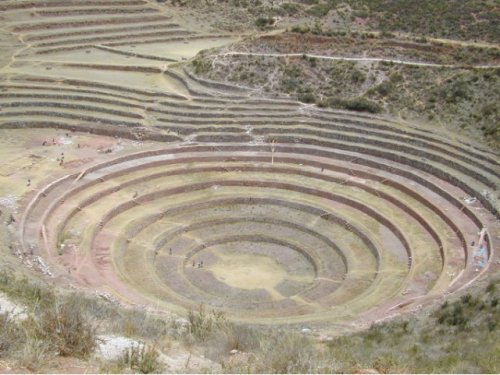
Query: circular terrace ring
[
  {"x": 168, "y": 256},
  {"x": 277, "y": 241},
  {"x": 276, "y": 212},
  {"x": 218, "y": 270}
]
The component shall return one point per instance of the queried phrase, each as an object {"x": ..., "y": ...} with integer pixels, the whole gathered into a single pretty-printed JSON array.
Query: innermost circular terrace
[{"x": 251, "y": 265}]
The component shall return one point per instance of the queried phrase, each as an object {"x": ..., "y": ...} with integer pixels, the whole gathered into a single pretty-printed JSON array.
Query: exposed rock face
[{"x": 15, "y": 310}]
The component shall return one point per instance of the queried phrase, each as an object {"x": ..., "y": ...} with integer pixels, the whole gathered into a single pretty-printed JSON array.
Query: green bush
[
  {"x": 300, "y": 29},
  {"x": 357, "y": 76},
  {"x": 200, "y": 65},
  {"x": 363, "y": 105},
  {"x": 263, "y": 22},
  {"x": 384, "y": 88},
  {"x": 307, "y": 98}
]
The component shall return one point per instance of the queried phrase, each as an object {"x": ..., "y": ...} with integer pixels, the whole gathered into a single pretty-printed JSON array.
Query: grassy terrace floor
[{"x": 163, "y": 179}]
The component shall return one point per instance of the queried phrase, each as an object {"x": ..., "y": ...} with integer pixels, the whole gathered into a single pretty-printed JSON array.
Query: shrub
[
  {"x": 457, "y": 91},
  {"x": 357, "y": 76},
  {"x": 264, "y": 22},
  {"x": 421, "y": 39},
  {"x": 66, "y": 328},
  {"x": 291, "y": 84},
  {"x": 232, "y": 337},
  {"x": 374, "y": 333},
  {"x": 384, "y": 88},
  {"x": 491, "y": 109},
  {"x": 469, "y": 300},
  {"x": 200, "y": 65},
  {"x": 454, "y": 316},
  {"x": 357, "y": 104},
  {"x": 361, "y": 13},
  {"x": 135, "y": 323},
  {"x": 9, "y": 333},
  {"x": 386, "y": 364},
  {"x": 288, "y": 353},
  {"x": 362, "y": 105},
  {"x": 386, "y": 34},
  {"x": 300, "y": 29},
  {"x": 143, "y": 359},
  {"x": 203, "y": 324},
  {"x": 33, "y": 354},
  {"x": 307, "y": 98}
]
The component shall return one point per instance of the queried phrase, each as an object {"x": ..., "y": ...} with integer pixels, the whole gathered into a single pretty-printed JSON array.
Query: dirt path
[{"x": 344, "y": 58}]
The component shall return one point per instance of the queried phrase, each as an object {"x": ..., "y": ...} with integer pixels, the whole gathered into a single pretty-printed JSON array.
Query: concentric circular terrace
[
  {"x": 265, "y": 208},
  {"x": 274, "y": 220}
]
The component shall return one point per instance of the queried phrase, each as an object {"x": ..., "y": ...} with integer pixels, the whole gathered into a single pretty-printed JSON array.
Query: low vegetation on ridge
[
  {"x": 460, "y": 98},
  {"x": 474, "y": 20},
  {"x": 459, "y": 336}
]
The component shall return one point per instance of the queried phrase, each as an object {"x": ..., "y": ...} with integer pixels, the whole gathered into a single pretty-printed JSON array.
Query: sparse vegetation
[
  {"x": 129, "y": 223},
  {"x": 200, "y": 65},
  {"x": 143, "y": 359},
  {"x": 435, "y": 344},
  {"x": 65, "y": 328},
  {"x": 139, "y": 358},
  {"x": 203, "y": 324},
  {"x": 66, "y": 325},
  {"x": 451, "y": 19},
  {"x": 460, "y": 98},
  {"x": 455, "y": 19},
  {"x": 52, "y": 329},
  {"x": 307, "y": 97},
  {"x": 356, "y": 104},
  {"x": 467, "y": 342},
  {"x": 264, "y": 22}
]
